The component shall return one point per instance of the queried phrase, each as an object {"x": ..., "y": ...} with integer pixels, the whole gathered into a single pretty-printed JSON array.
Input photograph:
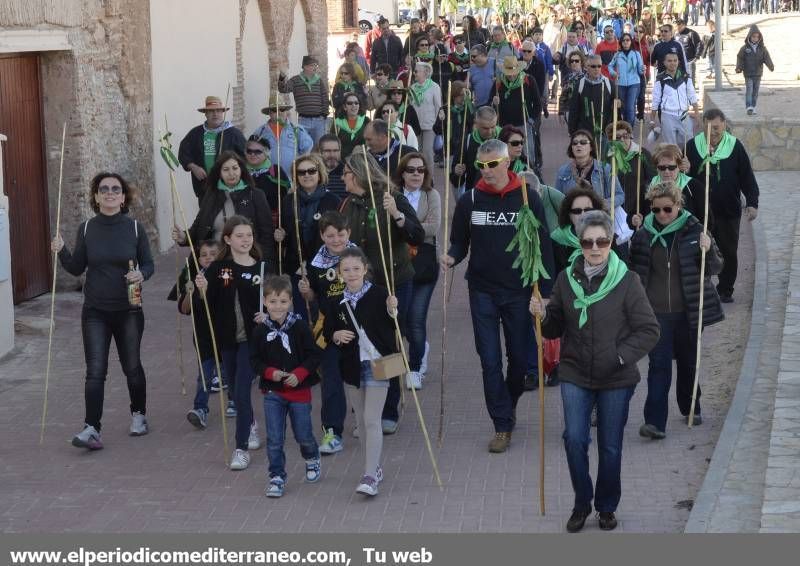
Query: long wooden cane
[
  {"x": 280, "y": 211},
  {"x": 224, "y": 114},
  {"x": 448, "y": 134},
  {"x": 639, "y": 167},
  {"x": 525, "y": 120},
  {"x": 613, "y": 166},
  {"x": 178, "y": 322},
  {"x": 702, "y": 283},
  {"x": 540, "y": 364},
  {"x": 296, "y": 209},
  {"x": 53, "y": 288},
  {"x": 397, "y": 328},
  {"x": 463, "y": 129},
  {"x": 194, "y": 333}
]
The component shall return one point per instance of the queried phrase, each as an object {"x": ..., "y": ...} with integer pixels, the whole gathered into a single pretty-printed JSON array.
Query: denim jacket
[
  {"x": 288, "y": 153},
  {"x": 625, "y": 69},
  {"x": 601, "y": 183}
]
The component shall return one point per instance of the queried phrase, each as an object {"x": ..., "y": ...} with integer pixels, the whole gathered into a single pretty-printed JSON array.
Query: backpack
[{"x": 606, "y": 83}]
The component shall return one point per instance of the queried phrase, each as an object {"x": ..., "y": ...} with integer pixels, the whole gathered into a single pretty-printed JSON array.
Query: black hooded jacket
[{"x": 752, "y": 57}]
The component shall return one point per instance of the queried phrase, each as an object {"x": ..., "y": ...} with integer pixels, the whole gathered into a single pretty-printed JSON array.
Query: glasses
[
  {"x": 411, "y": 170},
  {"x": 580, "y": 142},
  {"x": 594, "y": 66},
  {"x": 351, "y": 103},
  {"x": 254, "y": 151},
  {"x": 623, "y": 137},
  {"x": 380, "y": 74},
  {"x": 387, "y": 111},
  {"x": 608, "y": 31},
  {"x": 344, "y": 74},
  {"x": 588, "y": 244},
  {"x": 527, "y": 50},
  {"x": 574, "y": 60},
  {"x": 578, "y": 211},
  {"x": 489, "y": 164},
  {"x": 664, "y": 209},
  {"x": 309, "y": 171},
  {"x": 666, "y": 167},
  {"x": 422, "y": 45},
  {"x": 113, "y": 189},
  {"x": 515, "y": 143}
]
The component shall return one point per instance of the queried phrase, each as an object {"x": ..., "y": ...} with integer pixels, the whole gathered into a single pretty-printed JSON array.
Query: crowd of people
[{"x": 319, "y": 246}]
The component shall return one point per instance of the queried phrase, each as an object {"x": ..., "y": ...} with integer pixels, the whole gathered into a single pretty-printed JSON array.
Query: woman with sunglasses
[
  {"x": 266, "y": 177},
  {"x": 600, "y": 311},
  {"x": 414, "y": 177},
  {"x": 514, "y": 138},
  {"x": 569, "y": 81},
  {"x": 406, "y": 114},
  {"x": 583, "y": 164},
  {"x": 112, "y": 248},
  {"x": 577, "y": 202},
  {"x": 346, "y": 83},
  {"x": 666, "y": 254},
  {"x": 633, "y": 169},
  {"x": 626, "y": 68},
  {"x": 349, "y": 123},
  {"x": 471, "y": 32},
  {"x": 404, "y": 134},
  {"x": 376, "y": 93}
]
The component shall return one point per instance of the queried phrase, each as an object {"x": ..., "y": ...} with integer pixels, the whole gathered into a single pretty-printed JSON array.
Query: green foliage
[{"x": 526, "y": 240}]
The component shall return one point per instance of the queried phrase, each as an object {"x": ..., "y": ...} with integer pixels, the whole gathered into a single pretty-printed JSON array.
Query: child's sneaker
[
  {"x": 312, "y": 470},
  {"x": 331, "y": 444},
  {"x": 749, "y": 110},
  {"x": 214, "y": 385},
  {"x": 138, "y": 425},
  {"x": 253, "y": 441},
  {"x": 368, "y": 486},
  {"x": 240, "y": 460},
  {"x": 89, "y": 438},
  {"x": 230, "y": 412},
  {"x": 754, "y": 112},
  {"x": 198, "y": 418},
  {"x": 275, "y": 487}
]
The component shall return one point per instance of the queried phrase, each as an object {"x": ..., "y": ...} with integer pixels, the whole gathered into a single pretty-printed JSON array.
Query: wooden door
[{"x": 24, "y": 174}]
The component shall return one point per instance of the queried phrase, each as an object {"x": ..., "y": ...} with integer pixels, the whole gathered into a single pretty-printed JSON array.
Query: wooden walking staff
[
  {"x": 613, "y": 163},
  {"x": 447, "y": 149},
  {"x": 280, "y": 211},
  {"x": 224, "y": 114},
  {"x": 529, "y": 260},
  {"x": 53, "y": 289},
  {"x": 296, "y": 209},
  {"x": 169, "y": 158},
  {"x": 702, "y": 282},
  {"x": 525, "y": 120},
  {"x": 639, "y": 167},
  {"x": 397, "y": 326},
  {"x": 194, "y": 331}
]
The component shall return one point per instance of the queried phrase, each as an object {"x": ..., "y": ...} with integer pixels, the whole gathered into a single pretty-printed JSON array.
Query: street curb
[
  {"x": 761, "y": 21},
  {"x": 706, "y": 498}
]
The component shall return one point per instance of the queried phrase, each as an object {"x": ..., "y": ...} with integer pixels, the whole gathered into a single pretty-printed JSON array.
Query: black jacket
[
  {"x": 457, "y": 133},
  {"x": 691, "y": 42},
  {"x": 728, "y": 178},
  {"x": 659, "y": 53},
  {"x": 628, "y": 182},
  {"x": 622, "y": 325},
  {"x": 688, "y": 264},
  {"x": 250, "y": 203},
  {"x": 381, "y": 53},
  {"x": 372, "y": 316},
  {"x": 510, "y": 109},
  {"x": 228, "y": 280},
  {"x": 305, "y": 354},
  {"x": 750, "y": 60},
  {"x": 191, "y": 151},
  {"x": 471, "y": 175},
  {"x": 588, "y": 95}
]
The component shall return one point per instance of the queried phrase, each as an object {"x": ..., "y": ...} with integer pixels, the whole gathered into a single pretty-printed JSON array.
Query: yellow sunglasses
[{"x": 490, "y": 164}]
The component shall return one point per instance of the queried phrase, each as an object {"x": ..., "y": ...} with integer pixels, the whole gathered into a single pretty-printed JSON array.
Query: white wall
[
  {"x": 298, "y": 46},
  {"x": 6, "y": 295},
  {"x": 255, "y": 54},
  {"x": 193, "y": 56}
]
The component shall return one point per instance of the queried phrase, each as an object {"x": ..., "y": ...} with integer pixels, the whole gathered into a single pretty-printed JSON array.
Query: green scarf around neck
[
  {"x": 498, "y": 45},
  {"x": 240, "y": 186},
  {"x": 723, "y": 150},
  {"x": 518, "y": 166},
  {"x": 621, "y": 156},
  {"x": 417, "y": 91},
  {"x": 565, "y": 235},
  {"x": 344, "y": 125},
  {"x": 309, "y": 82},
  {"x": 476, "y": 135},
  {"x": 616, "y": 271},
  {"x": 682, "y": 180},
  {"x": 516, "y": 83},
  {"x": 674, "y": 226},
  {"x": 348, "y": 86}
]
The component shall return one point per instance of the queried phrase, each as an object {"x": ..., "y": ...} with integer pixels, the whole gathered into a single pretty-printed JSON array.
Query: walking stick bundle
[
  {"x": 53, "y": 289},
  {"x": 169, "y": 158},
  {"x": 529, "y": 260},
  {"x": 447, "y": 150},
  {"x": 702, "y": 284},
  {"x": 397, "y": 328}
]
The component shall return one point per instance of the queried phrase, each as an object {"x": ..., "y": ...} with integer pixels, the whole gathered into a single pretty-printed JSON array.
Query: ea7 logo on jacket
[{"x": 480, "y": 218}]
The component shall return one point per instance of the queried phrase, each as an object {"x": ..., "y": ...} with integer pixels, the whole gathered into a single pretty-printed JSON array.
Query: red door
[{"x": 23, "y": 172}]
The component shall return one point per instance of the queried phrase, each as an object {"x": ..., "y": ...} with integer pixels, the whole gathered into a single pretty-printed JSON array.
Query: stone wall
[{"x": 773, "y": 144}]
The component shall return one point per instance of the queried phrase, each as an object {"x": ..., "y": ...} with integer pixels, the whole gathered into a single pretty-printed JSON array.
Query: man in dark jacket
[
  {"x": 731, "y": 175},
  {"x": 464, "y": 173},
  {"x": 199, "y": 149},
  {"x": 383, "y": 46},
  {"x": 751, "y": 60},
  {"x": 667, "y": 45},
  {"x": 484, "y": 221},
  {"x": 382, "y": 146},
  {"x": 692, "y": 45},
  {"x": 590, "y": 106}
]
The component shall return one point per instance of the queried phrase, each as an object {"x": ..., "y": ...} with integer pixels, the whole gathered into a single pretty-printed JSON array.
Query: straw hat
[
  {"x": 394, "y": 86},
  {"x": 511, "y": 66},
  {"x": 275, "y": 104},
  {"x": 213, "y": 103}
]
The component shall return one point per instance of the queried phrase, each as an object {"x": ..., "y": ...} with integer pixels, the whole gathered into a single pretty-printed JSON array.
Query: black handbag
[{"x": 425, "y": 263}]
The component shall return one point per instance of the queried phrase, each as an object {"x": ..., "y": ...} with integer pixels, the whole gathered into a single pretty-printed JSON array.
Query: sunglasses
[
  {"x": 489, "y": 164},
  {"x": 666, "y": 167},
  {"x": 527, "y": 50},
  {"x": 422, "y": 45},
  {"x": 608, "y": 31},
  {"x": 352, "y": 103},
  {"x": 114, "y": 189},
  {"x": 574, "y": 60},
  {"x": 411, "y": 170},
  {"x": 577, "y": 211},
  {"x": 588, "y": 244},
  {"x": 664, "y": 209},
  {"x": 254, "y": 151},
  {"x": 387, "y": 111},
  {"x": 344, "y": 74},
  {"x": 473, "y": 57},
  {"x": 309, "y": 171},
  {"x": 515, "y": 143},
  {"x": 580, "y": 142},
  {"x": 594, "y": 66},
  {"x": 380, "y": 74}
]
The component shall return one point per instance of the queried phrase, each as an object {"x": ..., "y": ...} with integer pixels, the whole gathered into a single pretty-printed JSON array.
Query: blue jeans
[
  {"x": 240, "y": 376},
  {"x": 628, "y": 95},
  {"x": 489, "y": 311},
  {"x": 314, "y": 126},
  {"x": 334, "y": 402},
  {"x": 752, "y": 85},
  {"x": 208, "y": 371},
  {"x": 612, "y": 414},
  {"x": 678, "y": 341},
  {"x": 694, "y": 15},
  {"x": 417, "y": 319},
  {"x": 276, "y": 409},
  {"x": 403, "y": 293}
]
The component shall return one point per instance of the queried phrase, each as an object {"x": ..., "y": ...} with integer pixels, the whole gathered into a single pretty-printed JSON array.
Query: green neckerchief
[
  {"x": 682, "y": 180},
  {"x": 417, "y": 91},
  {"x": 461, "y": 110},
  {"x": 674, "y": 226},
  {"x": 498, "y": 45},
  {"x": 309, "y": 82},
  {"x": 461, "y": 58},
  {"x": 565, "y": 235},
  {"x": 518, "y": 166},
  {"x": 476, "y": 135},
  {"x": 348, "y": 86},
  {"x": 343, "y": 125},
  {"x": 723, "y": 151},
  {"x": 284, "y": 180},
  {"x": 616, "y": 271},
  {"x": 424, "y": 56},
  {"x": 516, "y": 83},
  {"x": 266, "y": 164},
  {"x": 622, "y": 156},
  {"x": 240, "y": 186}
]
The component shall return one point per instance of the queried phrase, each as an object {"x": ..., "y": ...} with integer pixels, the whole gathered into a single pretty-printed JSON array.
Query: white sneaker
[
  {"x": 749, "y": 110},
  {"x": 138, "y": 425},
  {"x": 240, "y": 460},
  {"x": 253, "y": 442},
  {"x": 754, "y": 111},
  {"x": 414, "y": 380},
  {"x": 423, "y": 365}
]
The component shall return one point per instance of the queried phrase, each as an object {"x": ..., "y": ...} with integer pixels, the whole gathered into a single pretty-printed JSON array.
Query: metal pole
[{"x": 718, "y": 43}]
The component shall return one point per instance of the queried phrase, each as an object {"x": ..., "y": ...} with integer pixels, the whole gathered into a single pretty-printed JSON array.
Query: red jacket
[{"x": 606, "y": 49}]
